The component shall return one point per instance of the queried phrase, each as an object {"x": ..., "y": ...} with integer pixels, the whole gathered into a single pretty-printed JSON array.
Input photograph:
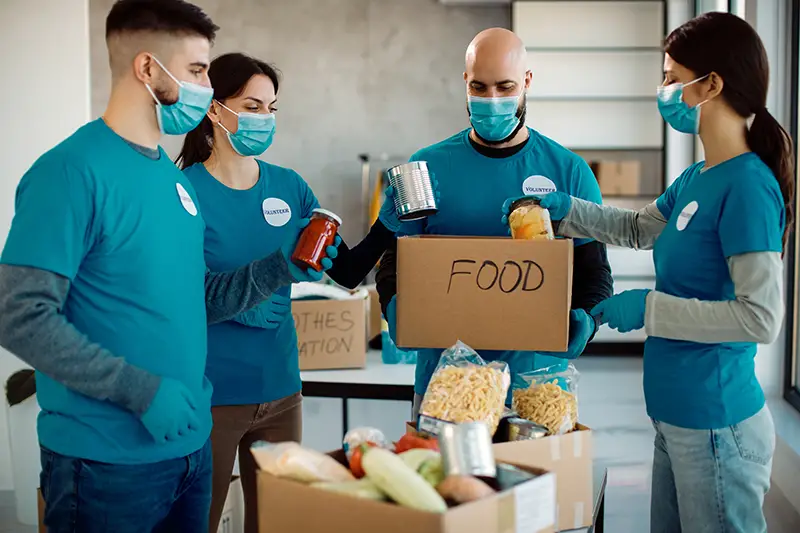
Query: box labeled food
[
  {"x": 331, "y": 333},
  {"x": 569, "y": 457},
  {"x": 284, "y": 507},
  {"x": 490, "y": 293},
  {"x": 618, "y": 178}
]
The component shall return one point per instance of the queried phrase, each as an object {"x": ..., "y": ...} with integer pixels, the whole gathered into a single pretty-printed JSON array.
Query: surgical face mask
[
  {"x": 184, "y": 115},
  {"x": 675, "y": 111},
  {"x": 494, "y": 119},
  {"x": 254, "y": 132}
]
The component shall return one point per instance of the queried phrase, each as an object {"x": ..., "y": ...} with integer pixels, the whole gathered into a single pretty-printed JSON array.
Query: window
[{"x": 792, "y": 373}]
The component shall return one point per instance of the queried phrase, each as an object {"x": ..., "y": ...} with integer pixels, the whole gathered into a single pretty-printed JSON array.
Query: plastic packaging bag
[
  {"x": 464, "y": 388},
  {"x": 548, "y": 397},
  {"x": 292, "y": 461}
]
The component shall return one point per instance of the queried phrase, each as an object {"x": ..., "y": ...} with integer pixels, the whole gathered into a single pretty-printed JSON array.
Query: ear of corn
[{"x": 401, "y": 483}]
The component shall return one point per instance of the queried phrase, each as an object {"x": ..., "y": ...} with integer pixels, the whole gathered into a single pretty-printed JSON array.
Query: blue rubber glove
[
  {"x": 268, "y": 315},
  {"x": 391, "y": 318},
  {"x": 581, "y": 328},
  {"x": 624, "y": 311},
  {"x": 172, "y": 413},
  {"x": 557, "y": 203},
  {"x": 300, "y": 274},
  {"x": 388, "y": 214}
]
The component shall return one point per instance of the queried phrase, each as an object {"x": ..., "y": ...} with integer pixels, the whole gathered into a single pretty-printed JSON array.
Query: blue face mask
[
  {"x": 494, "y": 119},
  {"x": 254, "y": 132},
  {"x": 675, "y": 111},
  {"x": 184, "y": 115}
]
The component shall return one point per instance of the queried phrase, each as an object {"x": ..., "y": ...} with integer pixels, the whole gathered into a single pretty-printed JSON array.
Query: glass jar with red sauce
[{"x": 318, "y": 235}]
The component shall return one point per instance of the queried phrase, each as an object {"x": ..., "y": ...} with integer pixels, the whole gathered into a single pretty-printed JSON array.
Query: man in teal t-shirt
[
  {"x": 105, "y": 291},
  {"x": 479, "y": 168}
]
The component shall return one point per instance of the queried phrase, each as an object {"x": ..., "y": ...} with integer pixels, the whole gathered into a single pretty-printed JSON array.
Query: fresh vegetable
[
  {"x": 358, "y": 436},
  {"x": 292, "y": 461},
  {"x": 463, "y": 489},
  {"x": 399, "y": 482},
  {"x": 409, "y": 442},
  {"x": 362, "y": 488},
  {"x": 356, "y": 456},
  {"x": 427, "y": 463}
]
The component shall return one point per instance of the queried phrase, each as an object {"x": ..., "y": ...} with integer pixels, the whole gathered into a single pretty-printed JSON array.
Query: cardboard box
[
  {"x": 569, "y": 457},
  {"x": 331, "y": 333},
  {"x": 288, "y": 507},
  {"x": 491, "y": 293},
  {"x": 618, "y": 178},
  {"x": 232, "y": 519}
]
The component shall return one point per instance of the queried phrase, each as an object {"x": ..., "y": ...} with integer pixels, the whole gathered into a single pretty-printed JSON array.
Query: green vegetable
[
  {"x": 391, "y": 475},
  {"x": 427, "y": 463},
  {"x": 361, "y": 488}
]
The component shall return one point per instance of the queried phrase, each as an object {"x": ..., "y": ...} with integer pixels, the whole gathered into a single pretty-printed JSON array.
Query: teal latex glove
[
  {"x": 624, "y": 311},
  {"x": 172, "y": 413},
  {"x": 391, "y": 318},
  {"x": 300, "y": 274},
  {"x": 581, "y": 328},
  {"x": 268, "y": 315},
  {"x": 388, "y": 214},
  {"x": 557, "y": 203}
]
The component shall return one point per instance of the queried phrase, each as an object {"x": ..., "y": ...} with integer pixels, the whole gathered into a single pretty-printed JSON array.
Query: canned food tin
[
  {"x": 521, "y": 429},
  {"x": 467, "y": 450},
  {"x": 530, "y": 221},
  {"x": 413, "y": 191}
]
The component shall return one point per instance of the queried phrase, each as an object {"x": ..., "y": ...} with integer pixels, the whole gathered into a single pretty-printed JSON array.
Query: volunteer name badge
[
  {"x": 277, "y": 213},
  {"x": 686, "y": 215},
  {"x": 186, "y": 200},
  {"x": 538, "y": 185}
]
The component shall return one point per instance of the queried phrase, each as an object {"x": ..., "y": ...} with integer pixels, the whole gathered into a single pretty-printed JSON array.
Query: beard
[
  {"x": 522, "y": 110},
  {"x": 166, "y": 91}
]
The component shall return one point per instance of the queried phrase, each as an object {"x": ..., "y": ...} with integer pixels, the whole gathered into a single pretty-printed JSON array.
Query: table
[{"x": 376, "y": 381}]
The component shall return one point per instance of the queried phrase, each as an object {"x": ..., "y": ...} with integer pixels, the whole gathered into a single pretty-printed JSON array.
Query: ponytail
[
  {"x": 196, "y": 145},
  {"x": 774, "y": 146}
]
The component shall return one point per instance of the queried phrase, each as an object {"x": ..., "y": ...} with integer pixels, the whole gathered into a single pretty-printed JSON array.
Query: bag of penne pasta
[
  {"x": 548, "y": 397},
  {"x": 464, "y": 388}
]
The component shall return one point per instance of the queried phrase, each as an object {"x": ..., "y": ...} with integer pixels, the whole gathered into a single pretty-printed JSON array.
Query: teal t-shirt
[
  {"x": 249, "y": 365},
  {"x": 125, "y": 230},
  {"x": 730, "y": 209},
  {"x": 473, "y": 188}
]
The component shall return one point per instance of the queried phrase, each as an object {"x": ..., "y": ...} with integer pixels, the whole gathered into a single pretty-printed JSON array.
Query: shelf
[{"x": 593, "y": 49}]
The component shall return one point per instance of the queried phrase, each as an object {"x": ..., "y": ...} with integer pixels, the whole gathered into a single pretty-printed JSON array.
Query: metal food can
[
  {"x": 521, "y": 429},
  {"x": 413, "y": 190},
  {"x": 467, "y": 450}
]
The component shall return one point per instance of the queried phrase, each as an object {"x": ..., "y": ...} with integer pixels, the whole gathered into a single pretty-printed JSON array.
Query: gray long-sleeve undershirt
[
  {"x": 756, "y": 313},
  {"x": 34, "y": 328}
]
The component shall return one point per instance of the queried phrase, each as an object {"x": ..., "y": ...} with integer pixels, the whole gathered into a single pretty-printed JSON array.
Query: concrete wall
[
  {"x": 360, "y": 76},
  {"x": 45, "y": 91}
]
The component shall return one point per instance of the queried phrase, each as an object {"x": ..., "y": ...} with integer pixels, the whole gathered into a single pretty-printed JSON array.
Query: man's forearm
[
  {"x": 591, "y": 276},
  {"x": 386, "y": 277},
  {"x": 33, "y": 327},
  {"x": 231, "y": 293}
]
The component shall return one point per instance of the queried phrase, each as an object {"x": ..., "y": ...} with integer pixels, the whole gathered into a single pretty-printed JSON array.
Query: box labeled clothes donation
[
  {"x": 490, "y": 293},
  {"x": 288, "y": 506},
  {"x": 331, "y": 326}
]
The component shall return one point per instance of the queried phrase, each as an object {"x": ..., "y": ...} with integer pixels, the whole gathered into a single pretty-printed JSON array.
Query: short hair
[{"x": 176, "y": 17}]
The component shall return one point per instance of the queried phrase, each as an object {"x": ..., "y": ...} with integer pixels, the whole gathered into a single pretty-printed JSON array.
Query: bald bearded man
[{"x": 479, "y": 168}]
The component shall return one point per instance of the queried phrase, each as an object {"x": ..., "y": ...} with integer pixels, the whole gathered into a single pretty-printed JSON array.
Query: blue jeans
[
  {"x": 712, "y": 481},
  {"x": 89, "y": 497}
]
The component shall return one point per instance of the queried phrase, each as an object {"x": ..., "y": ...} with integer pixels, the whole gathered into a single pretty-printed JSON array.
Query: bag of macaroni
[
  {"x": 464, "y": 388},
  {"x": 548, "y": 397}
]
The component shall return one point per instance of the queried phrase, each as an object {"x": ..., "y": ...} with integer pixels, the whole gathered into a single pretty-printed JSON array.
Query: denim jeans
[
  {"x": 712, "y": 481},
  {"x": 85, "y": 496}
]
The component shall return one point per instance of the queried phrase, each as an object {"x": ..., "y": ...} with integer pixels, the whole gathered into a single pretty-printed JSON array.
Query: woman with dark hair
[
  {"x": 717, "y": 234},
  {"x": 250, "y": 208}
]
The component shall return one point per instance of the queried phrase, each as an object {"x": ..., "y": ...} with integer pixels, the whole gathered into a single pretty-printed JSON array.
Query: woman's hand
[{"x": 624, "y": 311}]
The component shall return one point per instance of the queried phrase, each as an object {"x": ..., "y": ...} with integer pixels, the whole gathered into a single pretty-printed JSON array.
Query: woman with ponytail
[
  {"x": 717, "y": 234},
  {"x": 250, "y": 208}
]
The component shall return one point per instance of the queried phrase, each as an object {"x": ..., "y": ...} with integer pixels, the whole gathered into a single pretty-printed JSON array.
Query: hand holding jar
[{"x": 316, "y": 246}]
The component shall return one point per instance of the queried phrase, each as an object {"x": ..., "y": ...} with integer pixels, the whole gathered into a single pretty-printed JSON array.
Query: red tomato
[
  {"x": 408, "y": 442},
  {"x": 357, "y": 456}
]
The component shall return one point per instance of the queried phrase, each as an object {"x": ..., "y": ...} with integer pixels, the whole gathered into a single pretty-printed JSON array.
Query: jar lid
[
  {"x": 330, "y": 214},
  {"x": 524, "y": 201}
]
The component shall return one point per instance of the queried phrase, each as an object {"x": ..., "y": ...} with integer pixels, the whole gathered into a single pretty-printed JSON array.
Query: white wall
[{"x": 45, "y": 97}]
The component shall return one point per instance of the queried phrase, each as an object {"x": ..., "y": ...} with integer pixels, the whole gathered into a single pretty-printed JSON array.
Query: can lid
[{"x": 329, "y": 214}]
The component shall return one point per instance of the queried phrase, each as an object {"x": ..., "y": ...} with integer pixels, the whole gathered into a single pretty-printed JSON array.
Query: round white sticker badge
[
  {"x": 686, "y": 215},
  {"x": 538, "y": 185},
  {"x": 186, "y": 200},
  {"x": 277, "y": 213}
]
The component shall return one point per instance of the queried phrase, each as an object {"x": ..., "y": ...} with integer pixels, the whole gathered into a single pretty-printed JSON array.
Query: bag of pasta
[
  {"x": 464, "y": 388},
  {"x": 548, "y": 397}
]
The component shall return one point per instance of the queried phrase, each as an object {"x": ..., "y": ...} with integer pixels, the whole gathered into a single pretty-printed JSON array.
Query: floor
[{"x": 612, "y": 404}]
